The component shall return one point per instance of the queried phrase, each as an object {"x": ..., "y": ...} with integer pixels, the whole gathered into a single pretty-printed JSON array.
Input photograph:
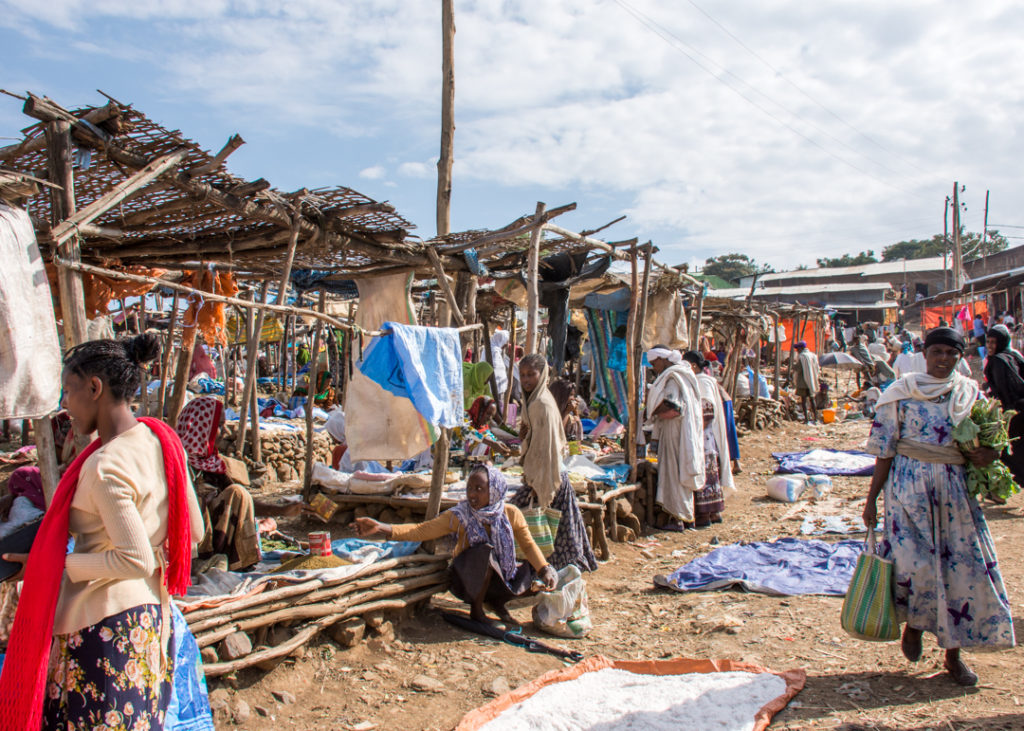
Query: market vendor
[
  {"x": 487, "y": 530},
  {"x": 229, "y": 512},
  {"x": 564, "y": 392},
  {"x": 479, "y": 439},
  {"x": 546, "y": 481}
]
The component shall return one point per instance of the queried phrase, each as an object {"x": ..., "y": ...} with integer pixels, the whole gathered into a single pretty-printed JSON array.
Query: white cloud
[
  {"x": 375, "y": 172},
  {"x": 573, "y": 97}
]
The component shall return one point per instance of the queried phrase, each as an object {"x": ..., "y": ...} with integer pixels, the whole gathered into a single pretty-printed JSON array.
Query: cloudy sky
[{"x": 784, "y": 129}]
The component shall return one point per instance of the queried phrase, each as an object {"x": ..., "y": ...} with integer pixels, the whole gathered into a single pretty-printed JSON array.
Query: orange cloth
[
  {"x": 210, "y": 317},
  {"x": 100, "y": 291},
  {"x": 930, "y": 316}
]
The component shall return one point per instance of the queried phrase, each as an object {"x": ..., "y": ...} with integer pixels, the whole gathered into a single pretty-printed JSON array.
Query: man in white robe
[{"x": 675, "y": 412}]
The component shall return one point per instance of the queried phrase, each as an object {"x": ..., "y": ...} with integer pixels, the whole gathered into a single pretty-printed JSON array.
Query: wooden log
[
  {"x": 46, "y": 456},
  {"x": 321, "y": 609},
  {"x": 778, "y": 356},
  {"x": 446, "y": 287},
  {"x": 316, "y": 594},
  {"x": 446, "y": 158},
  {"x": 62, "y": 206},
  {"x": 309, "y": 631},
  {"x": 314, "y": 372},
  {"x": 37, "y": 143},
  {"x": 637, "y": 345},
  {"x": 233, "y": 143},
  {"x": 252, "y": 351},
  {"x": 188, "y": 346},
  {"x": 165, "y": 360},
  {"x": 631, "y": 365},
  {"x": 532, "y": 285},
  {"x": 515, "y": 229},
  {"x": 305, "y": 587},
  {"x": 437, "y": 474},
  {"x": 755, "y": 386},
  {"x": 511, "y": 364},
  {"x": 119, "y": 193}
]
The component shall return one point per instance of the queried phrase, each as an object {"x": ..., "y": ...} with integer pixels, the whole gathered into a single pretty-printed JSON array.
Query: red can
[{"x": 320, "y": 543}]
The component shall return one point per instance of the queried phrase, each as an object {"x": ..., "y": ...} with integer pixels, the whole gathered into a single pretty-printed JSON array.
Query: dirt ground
[{"x": 850, "y": 684}]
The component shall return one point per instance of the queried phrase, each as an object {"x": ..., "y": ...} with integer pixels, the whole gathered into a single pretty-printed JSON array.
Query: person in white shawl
[
  {"x": 498, "y": 342},
  {"x": 946, "y": 578},
  {"x": 674, "y": 411},
  {"x": 710, "y": 391},
  {"x": 806, "y": 378}
]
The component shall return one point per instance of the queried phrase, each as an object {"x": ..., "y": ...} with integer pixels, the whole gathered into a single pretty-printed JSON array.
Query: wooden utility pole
[
  {"x": 62, "y": 206},
  {"x": 984, "y": 228},
  {"x": 532, "y": 287},
  {"x": 945, "y": 247},
  {"x": 444, "y": 203},
  {"x": 314, "y": 373},
  {"x": 444, "y": 163},
  {"x": 958, "y": 264}
]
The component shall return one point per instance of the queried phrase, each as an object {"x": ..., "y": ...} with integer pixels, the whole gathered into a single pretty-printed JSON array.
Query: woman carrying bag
[{"x": 946, "y": 575}]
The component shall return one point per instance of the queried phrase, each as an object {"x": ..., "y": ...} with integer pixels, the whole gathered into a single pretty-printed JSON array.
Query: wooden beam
[
  {"x": 62, "y": 206},
  {"x": 446, "y": 287},
  {"x": 233, "y": 143},
  {"x": 532, "y": 286},
  {"x": 46, "y": 456},
  {"x": 67, "y": 228},
  {"x": 252, "y": 348},
  {"x": 37, "y": 143},
  {"x": 631, "y": 371},
  {"x": 518, "y": 227},
  {"x": 314, "y": 373},
  {"x": 165, "y": 361}
]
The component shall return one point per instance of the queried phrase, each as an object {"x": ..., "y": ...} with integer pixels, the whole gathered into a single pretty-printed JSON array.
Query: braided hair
[{"x": 118, "y": 363}]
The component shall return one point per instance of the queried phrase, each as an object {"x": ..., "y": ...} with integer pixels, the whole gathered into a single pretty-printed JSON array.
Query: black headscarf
[
  {"x": 945, "y": 336},
  {"x": 1001, "y": 335},
  {"x": 695, "y": 358}
]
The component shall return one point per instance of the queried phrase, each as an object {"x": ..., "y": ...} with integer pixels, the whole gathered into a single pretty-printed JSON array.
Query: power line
[
  {"x": 666, "y": 35},
  {"x": 785, "y": 78}
]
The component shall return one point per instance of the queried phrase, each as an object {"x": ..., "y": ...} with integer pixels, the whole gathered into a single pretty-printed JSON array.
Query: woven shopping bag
[
  {"x": 543, "y": 525},
  {"x": 869, "y": 612}
]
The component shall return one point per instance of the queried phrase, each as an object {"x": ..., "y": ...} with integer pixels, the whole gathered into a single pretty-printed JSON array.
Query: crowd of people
[{"x": 141, "y": 500}]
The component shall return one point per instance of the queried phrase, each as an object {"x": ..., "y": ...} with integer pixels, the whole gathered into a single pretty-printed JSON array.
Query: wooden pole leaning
[
  {"x": 314, "y": 372},
  {"x": 532, "y": 291},
  {"x": 249, "y": 385}
]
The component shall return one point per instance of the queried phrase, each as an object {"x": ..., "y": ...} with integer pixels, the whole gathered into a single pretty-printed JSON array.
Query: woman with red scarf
[
  {"x": 477, "y": 428},
  {"x": 105, "y": 607}
]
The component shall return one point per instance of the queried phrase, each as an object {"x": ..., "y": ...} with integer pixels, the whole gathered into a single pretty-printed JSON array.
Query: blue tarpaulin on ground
[
  {"x": 826, "y": 462},
  {"x": 788, "y": 566}
]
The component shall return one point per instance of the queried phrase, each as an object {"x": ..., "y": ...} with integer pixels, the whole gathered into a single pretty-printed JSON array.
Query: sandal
[{"x": 961, "y": 674}]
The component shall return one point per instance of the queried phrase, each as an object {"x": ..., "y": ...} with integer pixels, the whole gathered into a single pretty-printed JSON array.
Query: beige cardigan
[{"x": 118, "y": 519}]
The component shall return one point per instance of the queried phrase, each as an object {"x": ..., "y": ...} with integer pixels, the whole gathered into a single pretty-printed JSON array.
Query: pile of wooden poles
[{"x": 304, "y": 609}]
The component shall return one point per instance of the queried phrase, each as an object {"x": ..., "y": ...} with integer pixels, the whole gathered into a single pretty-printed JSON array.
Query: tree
[
  {"x": 731, "y": 267},
  {"x": 849, "y": 260},
  {"x": 970, "y": 246}
]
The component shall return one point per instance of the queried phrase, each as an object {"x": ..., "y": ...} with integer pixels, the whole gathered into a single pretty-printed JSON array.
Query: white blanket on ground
[{"x": 30, "y": 357}]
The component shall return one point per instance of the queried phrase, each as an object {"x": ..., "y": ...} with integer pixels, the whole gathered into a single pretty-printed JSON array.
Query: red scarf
[{"x": 23, "y": 683}]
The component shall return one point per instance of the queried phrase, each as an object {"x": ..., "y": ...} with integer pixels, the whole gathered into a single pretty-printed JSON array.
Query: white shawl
[
  {"x": 709, "y": 392},
  {"x": 963, "y": 392},
  {"x": 691, "y": 434},
  {"x": 810, "y": 368}
]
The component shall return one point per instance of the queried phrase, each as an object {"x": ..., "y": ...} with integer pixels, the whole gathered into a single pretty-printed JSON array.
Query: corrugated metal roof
[
  {"x": 740, "y": 292},
  {"x": 933, "y": 263}
]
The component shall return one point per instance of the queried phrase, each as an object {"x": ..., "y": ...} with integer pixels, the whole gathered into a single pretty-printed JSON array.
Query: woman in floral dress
[{"x": 947, "y": 579}]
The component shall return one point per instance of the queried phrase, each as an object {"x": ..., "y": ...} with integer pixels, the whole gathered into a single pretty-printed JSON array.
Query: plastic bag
[
  {"x": 790, "y": 488},
  {"x": 565, "y": 611}
]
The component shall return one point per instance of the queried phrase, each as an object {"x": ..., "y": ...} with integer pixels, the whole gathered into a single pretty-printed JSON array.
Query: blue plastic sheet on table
[
  {"x": 230, "y": 414},
  {"x": 189, "y": 708},
  {"x": 852, "y": 463},
  {"x": 786, "y": 567},
  {"x": 358, "y": 550},
  {"x": 588, "y": 425},
  {"x": 264, "y": 381}
]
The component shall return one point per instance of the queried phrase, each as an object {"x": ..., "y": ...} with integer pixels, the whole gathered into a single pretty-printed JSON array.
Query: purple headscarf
[{"x": 492, "y": 515}]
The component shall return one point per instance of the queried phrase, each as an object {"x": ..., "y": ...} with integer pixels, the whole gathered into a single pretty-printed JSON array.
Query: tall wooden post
[
  {"x": 637, "y": 343},
  {"x": 778, "y": 356},
  {"x": 695, "y": 330},
  {"x": 511, "y": 364},
  {"x": 631, "y": 374},
  {"x": 532, "y": 273},
  {"x": 188, "y": 345},
  {"x": 958, "y": 264},
  {"x": 252, "y": 352},
  {"x": 314, "y": 371},
  {"x": 60, "y": 153},
  {"x": 755, "y": 384}
]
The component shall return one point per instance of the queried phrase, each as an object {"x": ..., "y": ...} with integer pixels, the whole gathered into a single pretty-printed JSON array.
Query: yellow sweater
[
  {"x": 446, "y": 523},
  {"x": 119, "y": 522}
]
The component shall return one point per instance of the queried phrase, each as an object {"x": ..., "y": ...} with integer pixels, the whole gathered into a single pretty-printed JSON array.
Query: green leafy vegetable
[{"x": 987, "y": 426}]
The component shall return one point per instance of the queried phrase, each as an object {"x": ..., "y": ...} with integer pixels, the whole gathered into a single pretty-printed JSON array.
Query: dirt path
[{"x": 851, "y": 684}]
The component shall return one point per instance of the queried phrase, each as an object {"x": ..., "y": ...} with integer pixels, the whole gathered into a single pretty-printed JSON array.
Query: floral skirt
[{"x": 108, "y": 675}]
